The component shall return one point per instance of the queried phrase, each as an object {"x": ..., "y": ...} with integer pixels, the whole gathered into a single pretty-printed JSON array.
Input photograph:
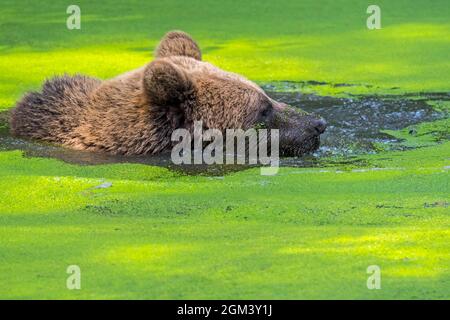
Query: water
[{"x": 354, "y": 126}]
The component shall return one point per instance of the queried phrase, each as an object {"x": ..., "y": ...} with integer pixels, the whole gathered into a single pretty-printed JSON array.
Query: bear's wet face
[{"x": 299, "y": 131}]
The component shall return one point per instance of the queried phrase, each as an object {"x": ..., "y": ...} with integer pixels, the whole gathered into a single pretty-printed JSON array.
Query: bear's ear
[
  {"x": 178, "y": 43},
  {"x": 166, "y": 84}
]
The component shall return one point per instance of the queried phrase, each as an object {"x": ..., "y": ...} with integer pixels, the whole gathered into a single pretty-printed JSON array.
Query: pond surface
[{"x": 354, "y": 126}]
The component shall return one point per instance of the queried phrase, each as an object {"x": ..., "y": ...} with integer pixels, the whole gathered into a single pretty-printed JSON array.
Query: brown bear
[{"x": 136, "y": 112}]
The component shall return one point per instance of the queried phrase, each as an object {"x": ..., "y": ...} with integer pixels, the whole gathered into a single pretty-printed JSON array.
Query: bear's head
[{"x": 183, "y": 88}]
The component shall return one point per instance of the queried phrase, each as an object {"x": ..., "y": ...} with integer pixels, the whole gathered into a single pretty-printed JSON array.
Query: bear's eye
[{"x": 266, "y": 112}]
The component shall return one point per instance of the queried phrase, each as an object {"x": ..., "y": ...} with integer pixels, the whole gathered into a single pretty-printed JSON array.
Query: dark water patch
[
  {"x": 355, "y": 124},
  {"x": 297, "y": 86},
  {"x": 354, "y": 128}
]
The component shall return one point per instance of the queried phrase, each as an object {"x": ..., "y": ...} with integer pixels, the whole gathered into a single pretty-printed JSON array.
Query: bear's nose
[{"x": 320, "y": 125}]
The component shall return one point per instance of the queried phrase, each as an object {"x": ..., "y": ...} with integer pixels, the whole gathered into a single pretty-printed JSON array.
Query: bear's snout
[{"x": 299, "y": 131}]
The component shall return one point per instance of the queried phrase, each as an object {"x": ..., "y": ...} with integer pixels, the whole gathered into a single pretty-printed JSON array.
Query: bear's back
[{"x": 52, "y": 114}]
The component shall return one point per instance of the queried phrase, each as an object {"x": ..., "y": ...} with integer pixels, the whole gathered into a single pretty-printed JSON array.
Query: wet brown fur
[{"x": 136, "y": 113}]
